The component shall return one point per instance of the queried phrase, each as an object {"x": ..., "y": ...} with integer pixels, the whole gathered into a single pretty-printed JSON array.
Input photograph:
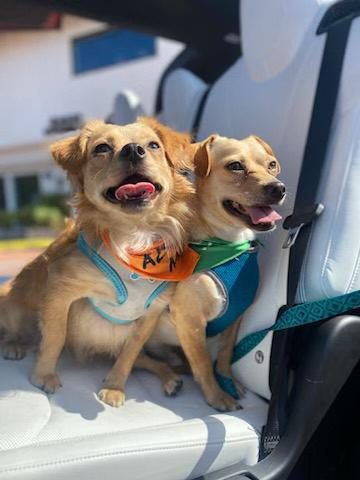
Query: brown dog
[
  {"x": 131, "y": 195},
  {"x": 236, "y": 184}
]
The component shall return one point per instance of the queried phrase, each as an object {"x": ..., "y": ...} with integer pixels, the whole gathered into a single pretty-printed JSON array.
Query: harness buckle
[{"x": 296, "y": 221}]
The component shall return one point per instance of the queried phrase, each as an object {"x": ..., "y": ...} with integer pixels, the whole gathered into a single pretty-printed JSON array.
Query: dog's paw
[
  {"x": 223, "y": 402},
  {"x": 13, "y": 351},
  {"x": 49, "y": 383},
  {"x": 173, "y": 386},
  {"x": 114, "y": 398}
]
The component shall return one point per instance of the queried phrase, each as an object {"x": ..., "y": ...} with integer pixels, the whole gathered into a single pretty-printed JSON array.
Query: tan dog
[
  {"x": 236, "y": 184},
  {"x": 131, "y": 188}
]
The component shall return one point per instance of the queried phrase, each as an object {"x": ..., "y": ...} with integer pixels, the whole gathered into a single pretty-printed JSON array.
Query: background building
[{"x": 51, "y": 81}]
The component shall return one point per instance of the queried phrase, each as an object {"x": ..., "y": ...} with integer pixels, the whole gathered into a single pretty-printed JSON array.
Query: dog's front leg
[
  {"x": 225, "y": 353},
  {"x": 53, "y": 326},
  {"x": 190, "y": 318},
  {"x": 113, "y": 391}
]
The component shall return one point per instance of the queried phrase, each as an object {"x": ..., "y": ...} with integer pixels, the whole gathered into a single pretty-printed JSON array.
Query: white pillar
[{"x": 10, "y": 192}]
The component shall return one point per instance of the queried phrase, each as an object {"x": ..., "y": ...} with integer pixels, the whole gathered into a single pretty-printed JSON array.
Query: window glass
[{"x": 109, "y": 48}]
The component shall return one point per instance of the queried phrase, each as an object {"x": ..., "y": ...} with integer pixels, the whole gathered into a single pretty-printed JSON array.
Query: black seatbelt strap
[
  {"x": 336, "y": 24},
  {"x": 198, "y": 116}
]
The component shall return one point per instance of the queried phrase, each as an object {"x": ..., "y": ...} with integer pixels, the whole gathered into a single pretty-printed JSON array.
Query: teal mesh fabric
[
  {"x": 227, "y": 384},
  {"x": 240, "y": 279}
]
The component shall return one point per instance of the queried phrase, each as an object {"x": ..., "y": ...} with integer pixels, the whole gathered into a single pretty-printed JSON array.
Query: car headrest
[
  {"x": 182, "y": 95},
  {"x": 276, "y": 26},
  {"x": 127, "y": 107}
]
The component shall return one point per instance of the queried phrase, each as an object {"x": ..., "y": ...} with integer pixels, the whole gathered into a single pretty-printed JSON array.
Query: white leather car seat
[
  {"x": 269, "y": 91},
  {"x": 127, "y": 107},
  {"x": 73, "y": 436},
  {"x": 182, "y": 95}
]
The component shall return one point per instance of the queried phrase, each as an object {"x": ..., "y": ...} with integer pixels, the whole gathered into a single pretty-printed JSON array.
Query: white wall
[{"x": 37, "y": 82}]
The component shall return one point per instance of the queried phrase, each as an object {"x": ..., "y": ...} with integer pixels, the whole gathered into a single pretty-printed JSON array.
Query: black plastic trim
[
  {"x": 340, "y": 11},
  {"x": 329, "y": 358},
  {"x": 200, "y": 24}
]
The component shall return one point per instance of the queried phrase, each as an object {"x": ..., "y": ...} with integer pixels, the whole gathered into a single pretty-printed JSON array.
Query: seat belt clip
[
  {"x": 292, "y": 236},
  {"x": 296, "y": 221}
]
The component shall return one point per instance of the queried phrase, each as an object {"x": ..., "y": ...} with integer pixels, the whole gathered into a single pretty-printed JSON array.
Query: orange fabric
[{"x": 157, "y": 263}]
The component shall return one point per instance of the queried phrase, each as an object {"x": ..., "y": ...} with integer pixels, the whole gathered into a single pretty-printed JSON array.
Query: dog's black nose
[
  {"x": 133, "y": 152},
  {"x": 275, "y": 191}
]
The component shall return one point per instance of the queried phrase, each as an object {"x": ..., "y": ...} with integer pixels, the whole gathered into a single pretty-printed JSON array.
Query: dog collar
[
  {"x": 157, "y": 262},
  {"x": 214, "y": 252}
]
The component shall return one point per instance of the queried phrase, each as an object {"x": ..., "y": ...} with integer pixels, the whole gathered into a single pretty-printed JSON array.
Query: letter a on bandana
[{"x": 157, "y": 262}]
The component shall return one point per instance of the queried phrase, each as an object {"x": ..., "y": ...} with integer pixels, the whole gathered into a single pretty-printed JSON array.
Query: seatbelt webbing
[
  {"x": 312, "y": 167},
  {"x": 300, "y": 315},
  {"x": 317, "y": 142},
  {"x": 199, "y": 113}
]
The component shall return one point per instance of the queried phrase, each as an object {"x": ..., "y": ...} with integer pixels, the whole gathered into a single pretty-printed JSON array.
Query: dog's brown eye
[
  {"x": 235, "y": 166},
  {"x": 102, "y": 148},
  {"x": 272, "y": 165},
  {"x": 154, "y": 145}
]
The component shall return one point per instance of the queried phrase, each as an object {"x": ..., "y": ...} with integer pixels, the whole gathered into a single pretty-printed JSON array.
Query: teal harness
[
  {"x": 133, "y": 294},
  {"x": 234, "y": 268},
  {"x": 240, "y": 279}
]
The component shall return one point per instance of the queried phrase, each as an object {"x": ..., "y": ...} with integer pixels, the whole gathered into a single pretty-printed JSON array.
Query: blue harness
[
  {"x": 133, "y": 294},
  {"x": 239, "y": 280}
]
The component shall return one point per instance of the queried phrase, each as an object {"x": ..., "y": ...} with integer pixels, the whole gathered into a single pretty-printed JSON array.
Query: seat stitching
[{"x": 121, "y": 453}]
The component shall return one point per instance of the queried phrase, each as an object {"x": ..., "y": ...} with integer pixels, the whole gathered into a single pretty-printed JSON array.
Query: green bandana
[{"x": 214, "y": 252}]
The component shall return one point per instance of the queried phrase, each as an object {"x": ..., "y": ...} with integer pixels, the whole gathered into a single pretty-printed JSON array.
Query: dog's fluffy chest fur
[{"x": 90, "y": 334}]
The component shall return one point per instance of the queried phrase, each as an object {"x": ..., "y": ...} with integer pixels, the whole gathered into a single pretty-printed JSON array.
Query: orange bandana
[{"x": 156, "y": 262}]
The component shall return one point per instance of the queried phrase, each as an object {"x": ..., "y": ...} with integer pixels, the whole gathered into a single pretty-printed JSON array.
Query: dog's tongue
[
  {"x": 140, "y": 190},
  {"x": 262, "y": 214}
]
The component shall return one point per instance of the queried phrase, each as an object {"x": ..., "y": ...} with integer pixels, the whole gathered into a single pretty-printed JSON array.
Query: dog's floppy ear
[
  {"x": 264, "y": 144},
  {"x": 69, "y": 152},
  {"x": 202, "y": 160}
]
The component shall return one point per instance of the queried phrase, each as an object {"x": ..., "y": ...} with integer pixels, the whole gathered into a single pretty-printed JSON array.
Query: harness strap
[
  {"x": 107, "y": 316},
  {"x": 104, "y": 267},
  {"x": 227, "y": 384}
]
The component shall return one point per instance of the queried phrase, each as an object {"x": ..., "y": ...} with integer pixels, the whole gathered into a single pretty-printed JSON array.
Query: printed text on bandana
[{"x": 157, "y": 258}]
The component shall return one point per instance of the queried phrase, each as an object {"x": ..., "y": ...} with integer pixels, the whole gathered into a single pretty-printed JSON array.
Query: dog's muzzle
[
  {"x": 132, "y": 152},
  {"x": 275, "y": 192}
]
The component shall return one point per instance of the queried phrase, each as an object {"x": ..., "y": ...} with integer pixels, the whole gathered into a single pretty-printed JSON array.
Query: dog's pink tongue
[
  {"x": 262, "y": 214},
  {"x": 135, "y": 191}
]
